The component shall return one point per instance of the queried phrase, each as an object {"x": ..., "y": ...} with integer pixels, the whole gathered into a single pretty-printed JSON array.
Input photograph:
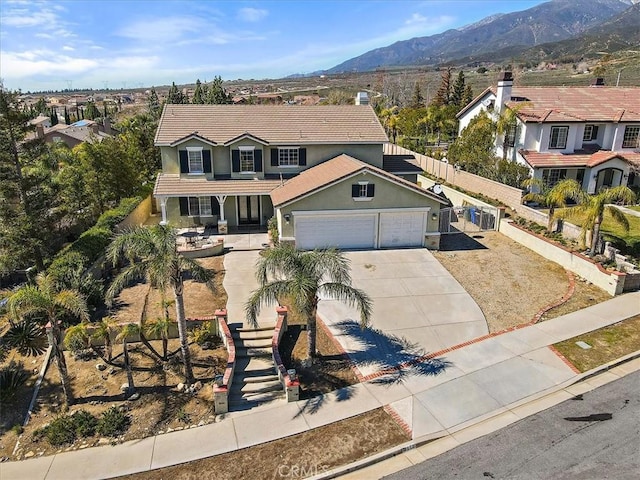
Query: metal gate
[{"x": 469, "y": 218}]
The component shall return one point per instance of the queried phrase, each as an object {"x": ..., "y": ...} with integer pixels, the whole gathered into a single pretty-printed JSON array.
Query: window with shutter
[{"x": 362, "y": 191}]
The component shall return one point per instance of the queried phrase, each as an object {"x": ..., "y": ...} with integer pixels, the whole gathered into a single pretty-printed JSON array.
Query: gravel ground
[{"x": 508, "y": 281}]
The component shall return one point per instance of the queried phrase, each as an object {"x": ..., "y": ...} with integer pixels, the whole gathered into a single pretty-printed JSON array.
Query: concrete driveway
[{"x": 418, "y": 308}]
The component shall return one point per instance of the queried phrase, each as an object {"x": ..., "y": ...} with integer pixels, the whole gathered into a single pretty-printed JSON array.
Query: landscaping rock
[
  {"x": 101, "y": 367},
  {"x": 104, "y": 441},
  {"x": 181, "y": 387},
  {"x": 124, "y": 387},
  {"x": 134, "y": 397},
  {"x": 206, "y": 346},
  {"x": 197, "y": 386},
  {"x": 29, "y": 454}
]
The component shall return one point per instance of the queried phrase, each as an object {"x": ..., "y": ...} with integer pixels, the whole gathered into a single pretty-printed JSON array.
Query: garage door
[
  {"x": 402, "y": 229},
  {"x": 342, "y": 231}
]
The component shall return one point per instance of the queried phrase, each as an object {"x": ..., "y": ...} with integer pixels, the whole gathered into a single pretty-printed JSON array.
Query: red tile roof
[
  {"x": 332, "y": 171},
  {"x": 172, "y": 185},
  {"x": 577, "y": 104},
  {"x": 274, "y": 124},
  {"x": 577, "y": 159}
]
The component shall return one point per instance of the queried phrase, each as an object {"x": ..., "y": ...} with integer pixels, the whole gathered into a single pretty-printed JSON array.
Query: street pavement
[{"x": 593, "y": 435}]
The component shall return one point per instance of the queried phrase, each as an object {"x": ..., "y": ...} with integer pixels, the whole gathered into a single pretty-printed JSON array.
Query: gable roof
[
  {"x": 274, "y": 124},
  {"x": 579, "y": 158},
  {"x": 572, "y": 104},
  {"x": 577, "y": 104},
  {"x": 333, "y": 171}
]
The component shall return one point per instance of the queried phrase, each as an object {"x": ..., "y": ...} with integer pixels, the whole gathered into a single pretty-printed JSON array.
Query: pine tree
[
  {"x": 54, "y": 117},
  {"x": 198, "y": 94},
  {"x": 154, "y": 103},
  {"x": 443, "y": 95},
  {"x": 457, "y": 94},
  {"x": 467, "y": 97},
  {"x": 216, "y": 94},
  {"x": 67, "y": 118},
  {"x": 417, "y": 100}
]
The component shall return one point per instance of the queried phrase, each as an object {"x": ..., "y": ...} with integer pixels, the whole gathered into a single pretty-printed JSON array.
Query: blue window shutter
[
  {"x": 184, "y": 206},
  {"x": 370, "y": 190},
  {"x": 206, "y": 161},
  {"x": 184, "y": 161},
  {"x": 274, "y": 157},
  {"x": 302, "y": 157},
  {"x": 257, "y": 161},
  {"x": 235, "y": 160},
  {"x": 355, "y": 190}
]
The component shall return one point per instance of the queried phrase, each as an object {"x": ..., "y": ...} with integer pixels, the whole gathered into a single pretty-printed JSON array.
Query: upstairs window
[
  {"x": 246, "y": 160},
  {"x": 590, "y": 133},
  {"x": 631, "y": 137},
  {"x": 195, "y": 160},
  {"x": 288, "y": 157},
  {"x": 558, "y": 137},
  {"x": 362, "y": 191}
]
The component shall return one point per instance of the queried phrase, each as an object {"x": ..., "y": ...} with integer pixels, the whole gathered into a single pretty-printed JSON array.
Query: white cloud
[
  {"x": 163, "y": 30},
  {"x": 25, "y": 18},
  {"x": 68, "y": 48},
  {"x": 41, "y": 62},
  {"x": 249, "y": 14},
  {"x": 416, "y": 18}
]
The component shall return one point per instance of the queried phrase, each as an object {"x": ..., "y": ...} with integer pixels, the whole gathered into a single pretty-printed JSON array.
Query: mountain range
[{"x": 557, "y": 26}]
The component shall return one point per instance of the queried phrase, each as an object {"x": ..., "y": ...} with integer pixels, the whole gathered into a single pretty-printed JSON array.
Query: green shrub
[
  {"x": 12, "y": 377},
  {"x": 203, "y": 334},
  {"x": 84, "y": 423},
  {"x": 113, "y": 217},
  {"x": 61, "y": 431},
  {"x": 112, "y": 423}
]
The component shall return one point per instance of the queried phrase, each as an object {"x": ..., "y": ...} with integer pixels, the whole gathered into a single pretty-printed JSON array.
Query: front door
[{"x": 249, "y": 210}]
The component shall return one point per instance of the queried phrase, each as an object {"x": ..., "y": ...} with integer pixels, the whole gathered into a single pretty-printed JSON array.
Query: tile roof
[
  {"x": 576, "y": 159},
  {"x": 577, "y": 104},
  {"x": 275, "y": 124},
  {"x": 329, "y": 172},
  {"x": 400, "y": 164},
  {"x": 174, "y": 186}
]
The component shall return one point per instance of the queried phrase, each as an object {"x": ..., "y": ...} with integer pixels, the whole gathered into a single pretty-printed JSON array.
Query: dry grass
[
  {"x": 607, "y": 344},
  {"x": 314, "y": 452}
]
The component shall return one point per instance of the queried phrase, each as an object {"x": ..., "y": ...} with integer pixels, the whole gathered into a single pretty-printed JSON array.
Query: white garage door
[
  {"x": 402, "y": 229},
  {"x": 342, "y": 231}
]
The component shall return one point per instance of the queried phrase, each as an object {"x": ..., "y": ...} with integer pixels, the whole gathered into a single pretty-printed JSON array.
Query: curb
[{"x": 413, "y": 444}]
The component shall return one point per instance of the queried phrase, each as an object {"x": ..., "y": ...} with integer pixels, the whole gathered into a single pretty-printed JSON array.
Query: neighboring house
[
  {"x": 43, "y": 120},
  {"x": 590, "y": 134},
  {"x": 319, "y": 170},
  {"x": 74, "y": 134}
]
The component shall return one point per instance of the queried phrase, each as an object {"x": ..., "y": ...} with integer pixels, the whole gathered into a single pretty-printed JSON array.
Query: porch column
[
  {"x": 222, "y": 223},
  {"x": 221, "y": 199},
  {"x": 163, "y": 207}
]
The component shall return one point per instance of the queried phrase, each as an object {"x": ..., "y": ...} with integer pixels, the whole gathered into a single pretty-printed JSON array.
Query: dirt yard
[
  {"x": 312, "y": 452},
  {"x": 508, "y": 281},
  {"x": 160, "y": 407}
]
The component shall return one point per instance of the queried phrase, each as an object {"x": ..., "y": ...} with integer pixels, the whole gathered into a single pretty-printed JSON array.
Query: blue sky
[{"x": 117, "y": 43}]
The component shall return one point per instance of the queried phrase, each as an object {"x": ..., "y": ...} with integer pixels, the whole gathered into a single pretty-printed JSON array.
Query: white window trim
[
  {"x": 195, "y": 149},
  {"x": 246, "y": 149},
  {"x": 365, "y": 198},
  {"x": 297, "y": 165},
  {"x": 588, "y": 128},
  {"x": 566, "y": 138},
  {"x": 637, "y": 139},
  {"x": 198, "y": 214}
]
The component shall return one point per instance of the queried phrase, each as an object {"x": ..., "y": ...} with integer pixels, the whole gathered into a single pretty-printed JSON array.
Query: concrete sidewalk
[{"x": 437, "y": 398}]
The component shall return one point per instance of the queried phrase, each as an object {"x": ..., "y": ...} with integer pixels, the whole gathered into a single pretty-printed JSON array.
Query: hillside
[{"x": 548, "y": 22}]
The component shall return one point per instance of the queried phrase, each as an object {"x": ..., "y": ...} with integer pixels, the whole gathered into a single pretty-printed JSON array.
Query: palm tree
[
  {"x": 592, "y": 212},
  {"x": 128, "y": 330},
  {"x": 44, "y": 299},
  {"x": 301, "y": 277},
  {"x": 153, "y": 255},
  {"x": 103, "y": 332},
  {"x": 507, "y": 123},
  {"x": 554, "y": 197},
  {"x": 159, "y": 328}
]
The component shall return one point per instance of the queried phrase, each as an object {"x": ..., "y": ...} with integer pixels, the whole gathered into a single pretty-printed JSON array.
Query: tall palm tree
[
  {"x": 507, "y": 122},
  {"x": 593, "y": 209},
  {"x": 554, "y": 197},
  {"x": 152, "y": 254},
  {"x": 159, "y": 328},
  {"x": 50, "y": 303},
  {"x": 102, "y": 332},
  {"x": 301, "y": 278}
]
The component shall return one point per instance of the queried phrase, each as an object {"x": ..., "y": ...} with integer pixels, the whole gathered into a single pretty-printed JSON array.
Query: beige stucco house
[{"x": 318, "y": 169}]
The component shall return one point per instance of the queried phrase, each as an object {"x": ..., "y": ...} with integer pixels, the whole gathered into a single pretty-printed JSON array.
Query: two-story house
[
  {"x": 318, "y": 169},
  {"x": 590, "y": 134}
]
